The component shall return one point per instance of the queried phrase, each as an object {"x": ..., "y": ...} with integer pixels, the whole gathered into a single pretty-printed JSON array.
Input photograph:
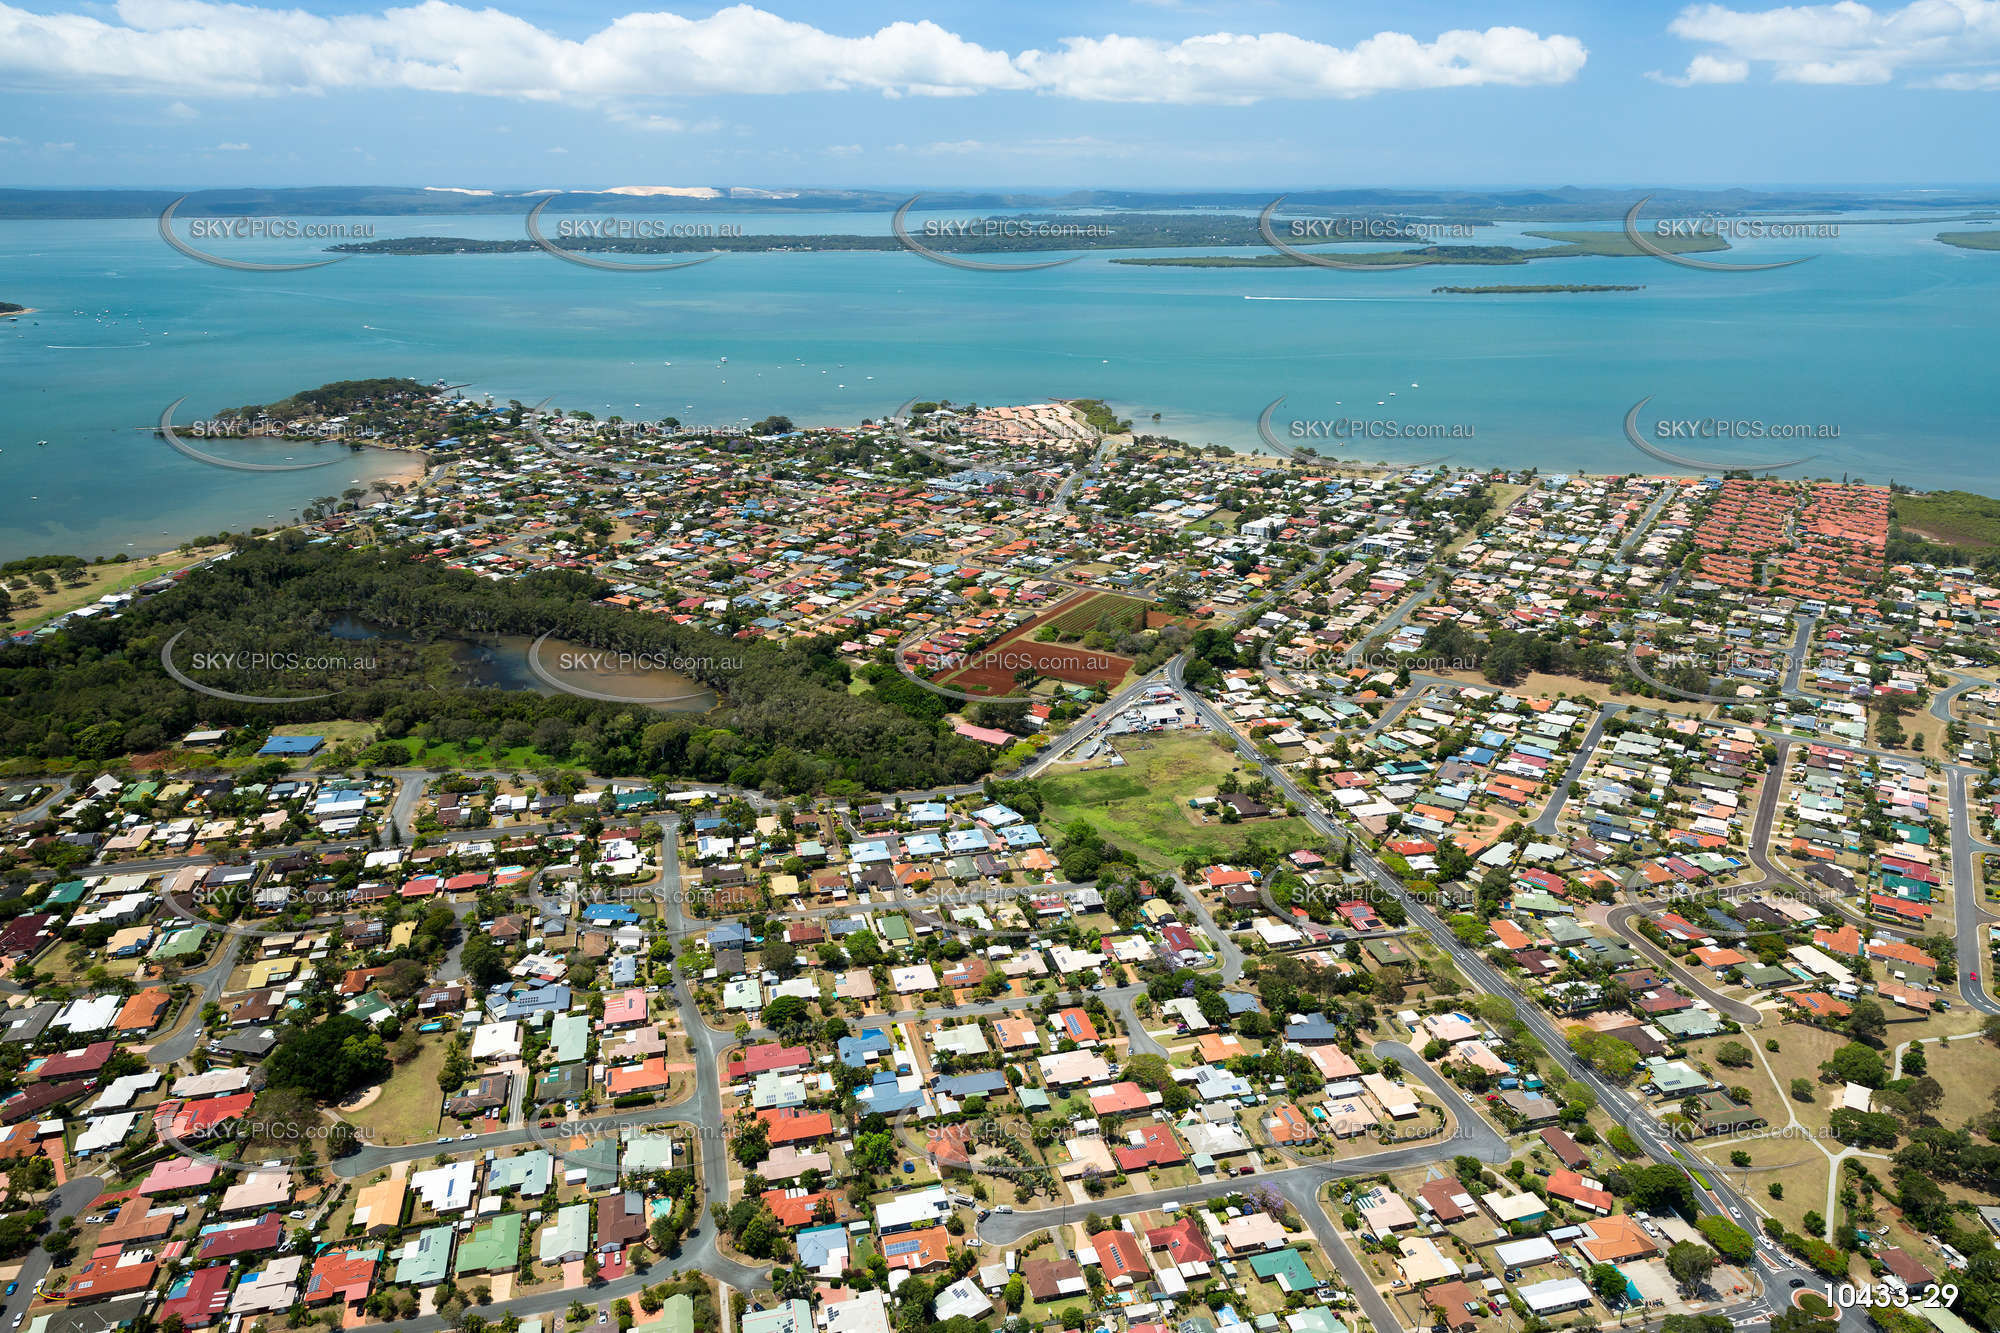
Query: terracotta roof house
[
  {"x": 1121, "y": 1257},
  {"x": 143, "y": 1012},
  {"x": 1455, "y": 1303},
  {"x": 1448, "y": 1200},
  {"x": 916, "y": 1251},
  {"x": 793, "y": 1125},
  {"x": 1183, "y": 1241},
  {"x": 1157, "y": 1147},
  {"x": 106, "y": 1275},
  {"x": 343, "y": 1275}
]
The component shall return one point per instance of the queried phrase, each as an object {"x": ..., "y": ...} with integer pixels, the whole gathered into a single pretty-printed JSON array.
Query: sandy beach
[{"x": 409, "y": 465}]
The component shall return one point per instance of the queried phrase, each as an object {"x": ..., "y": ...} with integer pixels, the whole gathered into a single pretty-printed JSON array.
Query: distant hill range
[{"x": 1567, "y": 204}]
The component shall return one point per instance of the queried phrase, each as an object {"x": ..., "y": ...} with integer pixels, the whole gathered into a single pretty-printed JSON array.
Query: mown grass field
[
  {"x": 410, "y": 1104},
  {"x": 1143, "y": 805}
]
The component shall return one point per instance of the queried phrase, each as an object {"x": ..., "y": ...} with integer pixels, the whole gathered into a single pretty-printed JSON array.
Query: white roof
[
  {"x": 445, "y": 1189},
  {"x": 908, "y": 980},
  {"x": 91, "y": 1013},
  {"x": 962, "y": 1297},
  {"x": 1515, "y": 1207},
  {"x": 107, "y": 1131},
  {"x": 1556, "y": 1294},
  {"x": 866, "y": 1312},
  {"x": 1533, "y": 1250},
  {"x": 121, "y": 1091},
  {"x": 492, "y": 1039},
  {"x": 214, "y": 1083},
  {"x": 928, "y": 1205}
]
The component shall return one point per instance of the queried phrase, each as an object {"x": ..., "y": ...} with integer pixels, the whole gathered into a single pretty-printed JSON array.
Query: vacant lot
[
  {"x": 991, "y": 670},
  {"x": 1969, "y": 1071},
  {"x": 1144, "y": 805},
  {"x": 1951, "y": 518},
  {"x": 409, "y": 1105}
]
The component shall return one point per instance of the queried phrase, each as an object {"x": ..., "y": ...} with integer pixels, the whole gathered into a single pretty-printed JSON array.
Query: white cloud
[
  {"x": 667, "y": 124},
  {"x": 7, "y": 139},
  {"x": 1705, "y": 69},
  {"x": 1238, "y": 70},
  {"x": 1944, "y": 43},
  {"x": 232, "y": 148},
  {"x": 197, "y": 47},
  {"x": 1082, "y": 145},
  {"x": 180, "y": 111}
]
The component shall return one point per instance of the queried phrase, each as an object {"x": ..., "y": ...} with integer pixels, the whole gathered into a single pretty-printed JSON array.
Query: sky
[{"x": 1115, "y": 94}]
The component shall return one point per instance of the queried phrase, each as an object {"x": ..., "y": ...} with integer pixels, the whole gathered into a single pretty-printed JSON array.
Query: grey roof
[
  {"x": 248, "y": 1041},
  {"x": 28, "y": 1024}
]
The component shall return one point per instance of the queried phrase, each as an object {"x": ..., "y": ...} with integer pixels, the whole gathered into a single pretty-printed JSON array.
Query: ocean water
[{"x": 1885, "y": 334}]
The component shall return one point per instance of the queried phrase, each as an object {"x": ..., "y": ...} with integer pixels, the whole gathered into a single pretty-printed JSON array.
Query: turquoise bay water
[{"x": 1885, "y": 334}]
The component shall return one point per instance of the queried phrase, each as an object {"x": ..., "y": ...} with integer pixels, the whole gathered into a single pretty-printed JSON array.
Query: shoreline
[{"x": 410, "y": 467}]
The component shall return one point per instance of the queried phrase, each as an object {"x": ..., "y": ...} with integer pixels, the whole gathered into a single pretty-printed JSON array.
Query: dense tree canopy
[
  {"x": 329, "y": 1060},
  {"x": 786, "y": 723}
]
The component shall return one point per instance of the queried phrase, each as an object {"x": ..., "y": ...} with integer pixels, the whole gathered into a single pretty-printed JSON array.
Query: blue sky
[{"x": 1118, "y": 94}]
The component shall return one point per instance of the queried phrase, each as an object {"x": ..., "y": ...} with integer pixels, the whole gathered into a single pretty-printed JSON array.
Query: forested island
[
  {"x": 1534, "y": 289},
  {"x": 9, "y": 308},
  {"x": 1569, "y": 245},
  {"x": 1971, "y": 240},
  {"x": 996, "y": 235}
]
